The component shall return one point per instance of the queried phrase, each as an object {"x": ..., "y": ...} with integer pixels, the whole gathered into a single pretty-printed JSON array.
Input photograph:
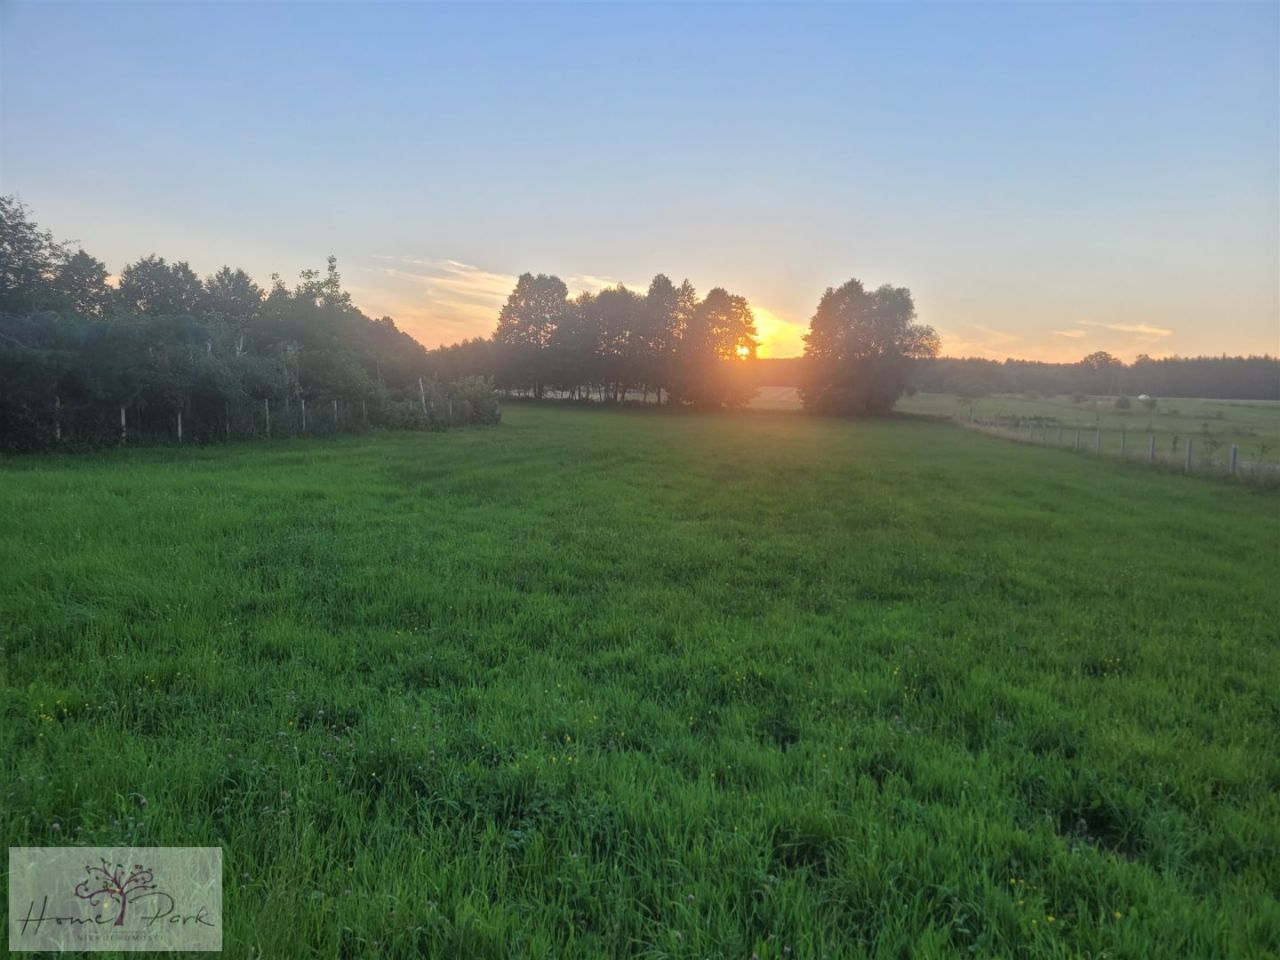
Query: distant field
[
  {"x": 632, "y": 683},
  {"x": 1252, "y": 425}
]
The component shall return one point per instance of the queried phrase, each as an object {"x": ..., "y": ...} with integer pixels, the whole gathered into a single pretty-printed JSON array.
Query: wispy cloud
[
  {"x": 462, "y": 279},
  {"x": 1142, "y": 329},
  {"x": 588, "y": 283},
  {"x": 1073, "y": 334},
  {"x": 978, "y": 340},
  {"x": 436, "y": 301},
  {"x": 443, "y": 301}
]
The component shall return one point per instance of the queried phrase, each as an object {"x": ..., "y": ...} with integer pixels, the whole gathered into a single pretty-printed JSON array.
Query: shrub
[
  {"x": 475, "y": 401},
  {"x": 1123, "y": 402}
]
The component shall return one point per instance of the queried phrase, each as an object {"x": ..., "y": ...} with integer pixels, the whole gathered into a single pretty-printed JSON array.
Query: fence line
[
  {"x": 1037, "y": 433},
  {"x": 78, "y": 425}
]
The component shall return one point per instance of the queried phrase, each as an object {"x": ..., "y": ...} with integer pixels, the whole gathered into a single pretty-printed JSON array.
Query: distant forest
[
  {"x": 1224, "y": 378},
  {"x": 1220, "y": 378}
]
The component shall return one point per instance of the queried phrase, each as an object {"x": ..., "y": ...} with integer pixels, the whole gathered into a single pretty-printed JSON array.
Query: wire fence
[
  {"x": 71, "y": 425},
  {"x": 1189, "y": 454}
]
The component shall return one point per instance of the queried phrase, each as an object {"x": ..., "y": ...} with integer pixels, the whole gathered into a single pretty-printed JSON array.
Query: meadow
[
  {"x": 1212, "y": 426},
  {"x": 627, "y": 683}
]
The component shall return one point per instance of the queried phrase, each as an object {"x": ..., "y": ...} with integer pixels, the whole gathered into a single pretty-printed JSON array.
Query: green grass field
[
  {"x": 1213, "y": 426},
  {"x": 624, "y": 683}
]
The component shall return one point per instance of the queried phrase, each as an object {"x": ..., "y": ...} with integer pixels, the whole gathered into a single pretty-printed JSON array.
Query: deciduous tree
[
  {"x": 528, "y": 321},
  {"x": 858, "y": 348}
]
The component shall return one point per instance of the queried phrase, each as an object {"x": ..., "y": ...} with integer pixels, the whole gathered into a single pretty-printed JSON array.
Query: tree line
[
  {"x": 670, "y": 345},
  {"x": 166, "y": 354},
  {"x": 1223, "y": 378},
  {"x": 163, "y": 353},
  {"x": 665, "y": 343}
]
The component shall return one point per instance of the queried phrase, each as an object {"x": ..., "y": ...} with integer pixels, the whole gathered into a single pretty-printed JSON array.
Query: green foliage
[
  {"x": 153, "y": 287},
  {"x": 1223, "y": 377},
  {"x": 756, "y": 683},
  {"x": 1123, "y": 402},
  {"x": 30, "y": 260},
  {"x": 529, "y": 319},
  {"x": 217, "y": 353},
  {"x": 858, "y": 349},
  {"x": 481, "y": 401},
  {"x": 615, "y": 342}
]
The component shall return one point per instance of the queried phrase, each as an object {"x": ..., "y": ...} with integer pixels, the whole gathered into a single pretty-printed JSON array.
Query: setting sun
[{"x": 777, "y": 337}]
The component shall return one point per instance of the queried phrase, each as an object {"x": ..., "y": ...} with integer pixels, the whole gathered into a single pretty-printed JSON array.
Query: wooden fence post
[
  {"x": 266, "y": 411},
  {"x": 304, "y": 414},
  {"x": 335, "y": 416},
  {"x": 364, "y": 411},
  {"x": 226, "y": 420},
  {"x": 1151, "y": 454},
  {"x": 124, "y": 426},
  {"x": 1235, "y": 458},
  {"x": 1122, "y": 443},
  {"x": 179, "y": 425},
  {"x": 57, "y": 419},
  {"x": 1186, "y": 466},
  {"x": 422, "y": 396}
]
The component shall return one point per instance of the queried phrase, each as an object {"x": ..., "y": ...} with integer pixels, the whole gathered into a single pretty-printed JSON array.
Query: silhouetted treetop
[{"x": 858, "y": 348}]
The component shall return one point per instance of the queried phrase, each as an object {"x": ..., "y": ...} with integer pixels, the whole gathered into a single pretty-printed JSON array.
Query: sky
[{"x": 1047, "y": 179}]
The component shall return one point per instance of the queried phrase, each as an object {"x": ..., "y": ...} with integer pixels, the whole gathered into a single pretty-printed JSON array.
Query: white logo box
[{"x": 115, "y": 898}]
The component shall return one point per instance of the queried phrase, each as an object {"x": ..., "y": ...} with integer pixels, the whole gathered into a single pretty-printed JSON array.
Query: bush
[
  {"x": 475, "y": 401},
  {"x": 1123, "y": 402}
]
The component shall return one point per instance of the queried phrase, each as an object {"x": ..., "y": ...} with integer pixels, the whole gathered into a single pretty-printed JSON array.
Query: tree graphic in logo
[{"x": 105, "y": 883}]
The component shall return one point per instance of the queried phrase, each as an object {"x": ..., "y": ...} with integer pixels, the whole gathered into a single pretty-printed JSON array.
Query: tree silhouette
[
  {"x": 859, "y": 346},
  {"x": 718, "y": 336},
  {"x": 29, "y": 258},
  {"x": 662, "y": 325},
  {"x": 153, "y": 286},
  {"x": 105, "y": 883},
  {"x": 525, "y": 326},
  {"x": 82, "y": 280},
  {"x": 1102, "y": 372}
]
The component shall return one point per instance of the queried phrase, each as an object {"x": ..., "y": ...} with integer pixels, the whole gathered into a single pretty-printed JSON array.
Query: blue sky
[{"x": 1048, "y": 179}]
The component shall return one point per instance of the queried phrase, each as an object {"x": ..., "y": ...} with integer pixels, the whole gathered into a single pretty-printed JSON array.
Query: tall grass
[{"x": 602, "y": 683}]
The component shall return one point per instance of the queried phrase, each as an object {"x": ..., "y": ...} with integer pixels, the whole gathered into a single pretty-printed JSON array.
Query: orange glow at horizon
[
  {"x": 778, "y": 337},
  {"x": 464, "y": 301}
]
